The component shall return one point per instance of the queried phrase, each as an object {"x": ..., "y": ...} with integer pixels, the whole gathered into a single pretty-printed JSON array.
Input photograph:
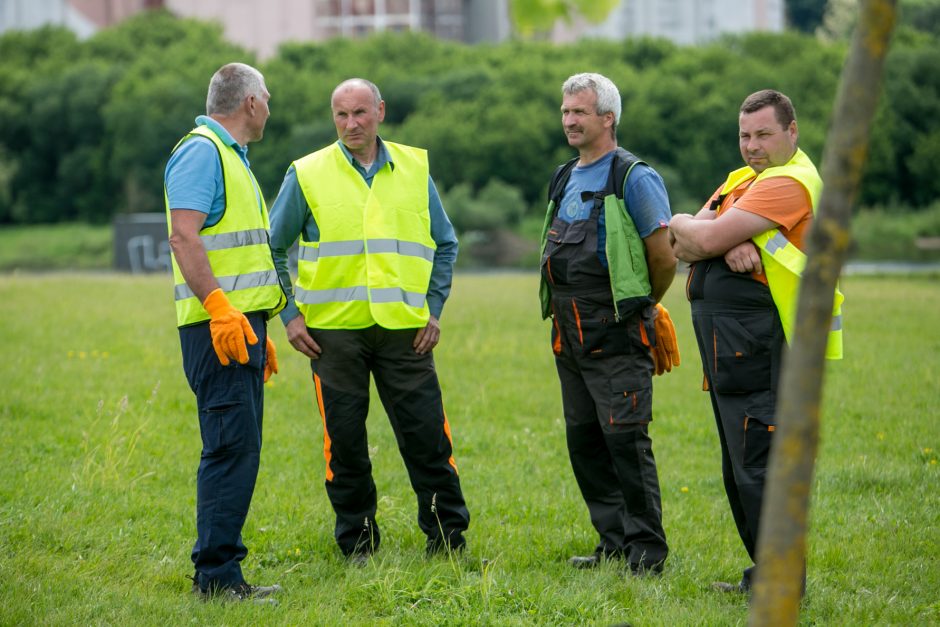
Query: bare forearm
[
  {"x": 193, "y": 263},
  {"x": 660, "y": 280},
  {"x": 686, "y": 237},
  {"x": 661, "y": 262}
]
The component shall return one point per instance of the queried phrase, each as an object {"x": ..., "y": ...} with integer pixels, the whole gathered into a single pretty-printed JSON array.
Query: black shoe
[
  {"x": 646, "y": 570},
  {"x": 585, "y": 561},
  {"x": 359, "y": 560},
  {"x": 731, "y": 588},
  {"x": 241, "y": 592},
  {"x": 594, "y": 560},
  {"x": 440, "y": 546}
]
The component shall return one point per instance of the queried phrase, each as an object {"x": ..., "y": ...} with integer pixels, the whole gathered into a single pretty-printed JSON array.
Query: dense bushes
[{"x": 87, "y": 126}]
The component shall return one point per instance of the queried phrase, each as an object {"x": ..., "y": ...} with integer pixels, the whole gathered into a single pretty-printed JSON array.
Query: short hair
[
  {"x": 608, "y": 96},
  {"x": 783, "y": 108},
  {"x": 360, "y": 82},
  {"x": 229, "y": 87}
]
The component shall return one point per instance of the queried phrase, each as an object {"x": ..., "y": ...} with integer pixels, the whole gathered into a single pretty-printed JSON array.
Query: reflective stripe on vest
[
  {"x": 373, "y": 262},
  {"x": 236, "y": 246},
  {"x": 357, "y": 247},
  {"x": 783, "y": 262},
  {"x": 233, "y": 283}
]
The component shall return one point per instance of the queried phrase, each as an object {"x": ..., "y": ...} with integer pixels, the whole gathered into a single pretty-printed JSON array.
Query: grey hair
[
  {"x": 229, "y": 87},
  {"x": 360, "y": 82},
  {"x": 608, "y": 96}
]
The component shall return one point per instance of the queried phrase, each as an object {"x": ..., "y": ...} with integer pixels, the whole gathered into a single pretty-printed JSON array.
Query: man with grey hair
[
  {"x": 606, "y": 263},
  {"x": 226, "y": 288},
  {"x": 376, "y": 259}
]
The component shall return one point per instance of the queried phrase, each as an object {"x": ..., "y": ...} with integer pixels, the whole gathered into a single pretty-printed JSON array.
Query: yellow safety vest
[
  {"x": 237, "y": 245},
  {"x": 783, "y": 262},
  {"x": 373, "y": 262}
]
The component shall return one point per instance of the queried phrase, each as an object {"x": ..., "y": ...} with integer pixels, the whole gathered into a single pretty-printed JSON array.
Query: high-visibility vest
[
  {"x": 237, "y": 245},
  {"x": 373, "y": 262},
  {"x": 783, "y": 262}
]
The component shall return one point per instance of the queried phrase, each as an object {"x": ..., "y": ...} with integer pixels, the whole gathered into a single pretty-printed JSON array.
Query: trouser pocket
[
  {"x": 758, "y": 435},
  {"x": 741, "y": 359},
  {"x": 603, "y": 337},
  {"x": 228, "y": 417}
]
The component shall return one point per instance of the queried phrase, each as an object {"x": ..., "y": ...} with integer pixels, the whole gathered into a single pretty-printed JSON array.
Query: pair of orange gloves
[
  {"x": 229, "y": 329},
  {"x": 666, "y": 351}
]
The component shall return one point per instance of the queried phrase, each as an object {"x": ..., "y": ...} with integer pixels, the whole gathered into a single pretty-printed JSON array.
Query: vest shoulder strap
[
  {"x": 556, "y": 188},
  {"x": 623, "y": 163}
]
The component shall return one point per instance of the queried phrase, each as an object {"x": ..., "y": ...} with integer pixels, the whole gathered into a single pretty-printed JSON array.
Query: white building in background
[
  {"x": 262, "y": 25},
  {"x": 681, "y": 21}
]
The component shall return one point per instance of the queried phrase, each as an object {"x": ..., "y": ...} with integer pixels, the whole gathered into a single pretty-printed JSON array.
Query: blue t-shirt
[
  {"x": 193, "y": 176},
  {"x": 644, "y": 194}
]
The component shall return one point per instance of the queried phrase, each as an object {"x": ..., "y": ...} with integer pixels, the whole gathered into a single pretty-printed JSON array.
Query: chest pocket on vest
[{"x": 566, "y": 233}]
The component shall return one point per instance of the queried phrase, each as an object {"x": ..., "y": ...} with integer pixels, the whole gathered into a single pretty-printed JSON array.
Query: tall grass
[{"x": 100, "y": 445}]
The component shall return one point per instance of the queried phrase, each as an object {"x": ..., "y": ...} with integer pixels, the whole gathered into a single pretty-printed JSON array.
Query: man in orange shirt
[{"x": 736, "y": 321}]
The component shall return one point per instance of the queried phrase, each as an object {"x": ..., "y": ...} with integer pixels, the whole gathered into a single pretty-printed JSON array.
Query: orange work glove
[
  {"x": 270, "y": 359},
  {"x": 666, "y": 353},
  {"x": 229, "y": 328}
]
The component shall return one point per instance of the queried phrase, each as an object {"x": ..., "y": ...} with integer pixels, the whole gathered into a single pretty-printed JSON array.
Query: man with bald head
[{"x": 375, "y": 264}]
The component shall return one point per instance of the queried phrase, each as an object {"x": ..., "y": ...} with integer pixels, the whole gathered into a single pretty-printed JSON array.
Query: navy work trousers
[{"x": 230, "y": 401}]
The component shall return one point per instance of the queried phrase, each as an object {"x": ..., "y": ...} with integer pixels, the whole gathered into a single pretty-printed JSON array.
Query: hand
[
  {"x": 744, "y": 258},
  {"x": 229, "y": 329},
  {"x": 300, "y": 338},
  {"x": 427, "y": 338},
  {"x": 270, "y": 359},
  {"x": 666, "y": 353}
]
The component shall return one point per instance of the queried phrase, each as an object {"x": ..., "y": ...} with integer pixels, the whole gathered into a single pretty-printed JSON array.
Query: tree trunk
[{"x": 782, "y": 547}]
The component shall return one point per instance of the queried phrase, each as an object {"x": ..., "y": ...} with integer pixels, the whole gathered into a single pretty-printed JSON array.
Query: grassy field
[{"x": 100, "y": 445}]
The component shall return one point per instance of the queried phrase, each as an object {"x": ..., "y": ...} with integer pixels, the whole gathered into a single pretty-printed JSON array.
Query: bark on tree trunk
[{"x": 782, "y": 547}]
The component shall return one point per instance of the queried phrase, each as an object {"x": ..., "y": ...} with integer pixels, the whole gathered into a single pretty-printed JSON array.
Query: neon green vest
[
  {"x": 237, "y": 245},
  {"x": 783, "y": 262},
  {"x": 373, "y": 262}
]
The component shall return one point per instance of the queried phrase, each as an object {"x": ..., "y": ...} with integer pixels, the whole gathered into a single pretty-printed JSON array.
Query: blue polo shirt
[
  {"x": 193, "y": 176},
  {"x": 644, "y": 194},
  {"x": 290, "y": 216}
]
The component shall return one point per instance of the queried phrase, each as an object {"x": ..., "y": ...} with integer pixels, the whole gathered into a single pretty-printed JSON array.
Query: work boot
[
  {"x": 454, "y": 543},
  {"x": 242, "y": 592},
  {"x": 594, "y": 560},
  {"x": 731, "y": 588},
  {"x": 644, "y": 569},
  {"x": 359, "y": 560}
]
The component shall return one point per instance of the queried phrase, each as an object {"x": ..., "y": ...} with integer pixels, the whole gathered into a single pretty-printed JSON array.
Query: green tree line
[{"x": 86, "y": 126}]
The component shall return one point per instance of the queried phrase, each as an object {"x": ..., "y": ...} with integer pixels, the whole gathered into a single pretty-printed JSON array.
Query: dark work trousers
[
  {"x": 230, "y": 400},
  {"x": 606, "y": 387},
  {"x": 408, "y": 388},
  {"x": 741, "y": 342}
]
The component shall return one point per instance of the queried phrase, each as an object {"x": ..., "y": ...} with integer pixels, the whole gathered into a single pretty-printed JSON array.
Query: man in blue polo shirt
[{"x": 225, "y": 290}]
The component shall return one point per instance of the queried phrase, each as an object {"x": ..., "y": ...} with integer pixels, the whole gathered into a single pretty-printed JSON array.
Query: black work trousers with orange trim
[
  {"x": 606, "y": 374},
  {"x": 411, "y": 395},
  {"x": 741, "y": 341}
]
